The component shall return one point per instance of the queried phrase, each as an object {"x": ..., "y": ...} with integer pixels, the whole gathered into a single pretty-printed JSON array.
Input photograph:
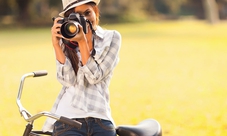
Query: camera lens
[{"x": 71, "y": 28}]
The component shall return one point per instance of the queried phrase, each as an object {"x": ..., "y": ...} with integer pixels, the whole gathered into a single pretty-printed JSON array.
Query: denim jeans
[{"x": 90, "y": 127}]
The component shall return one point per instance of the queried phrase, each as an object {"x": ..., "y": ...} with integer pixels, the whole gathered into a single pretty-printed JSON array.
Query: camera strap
[
  {"x": 70, "y": 44},
  {"x": 93, "y": 39}
]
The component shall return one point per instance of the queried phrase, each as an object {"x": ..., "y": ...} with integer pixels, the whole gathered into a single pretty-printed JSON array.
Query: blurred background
[
  {"x": 172, "y": 67},
  {"x": 40, "y": 12}
]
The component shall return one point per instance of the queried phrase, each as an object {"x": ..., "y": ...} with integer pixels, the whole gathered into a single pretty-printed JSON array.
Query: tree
[
  {"x": 211, "y": 11},
  {"x": 174, "y": 6},
  {"x": 23, "y": 6},
  {"x": 4, "y": 8}
]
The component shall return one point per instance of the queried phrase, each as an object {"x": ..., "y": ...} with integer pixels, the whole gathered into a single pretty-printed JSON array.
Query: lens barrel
[{"x": 70, "y": 29}]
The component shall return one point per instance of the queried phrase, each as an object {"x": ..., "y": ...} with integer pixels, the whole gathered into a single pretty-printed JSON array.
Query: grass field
[{"x": 174, "y": 72}]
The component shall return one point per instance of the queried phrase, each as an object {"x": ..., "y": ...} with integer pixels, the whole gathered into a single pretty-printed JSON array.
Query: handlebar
[
  {"x": 32, "y": 74},
  {"x": 40, "y": 73},
  {"x": 28, "y": 117},
  {"x": 56, "y": 117}
]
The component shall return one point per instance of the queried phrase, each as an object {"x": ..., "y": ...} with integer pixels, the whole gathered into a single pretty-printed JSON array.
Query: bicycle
[{"x": 148, "y": 127}]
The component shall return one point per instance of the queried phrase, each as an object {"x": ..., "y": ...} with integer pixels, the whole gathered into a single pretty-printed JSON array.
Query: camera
[{"x": 70, "y": 25}]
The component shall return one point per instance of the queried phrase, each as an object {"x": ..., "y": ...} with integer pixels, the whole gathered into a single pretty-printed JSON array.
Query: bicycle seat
[{"x": 149, "y": 127}]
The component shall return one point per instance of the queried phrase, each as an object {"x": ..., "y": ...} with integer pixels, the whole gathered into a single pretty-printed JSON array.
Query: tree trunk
[
  {"x": 24, "y": 16},
  {"x": 211, "y": 11}
]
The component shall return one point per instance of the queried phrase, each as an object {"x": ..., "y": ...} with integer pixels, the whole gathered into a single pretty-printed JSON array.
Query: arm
[
  {"x": 65, "y": 73},
  {"x": 95, "y": 71},
  {"x": 85, "y": 43},
  {"x": 60, "y": 56}
]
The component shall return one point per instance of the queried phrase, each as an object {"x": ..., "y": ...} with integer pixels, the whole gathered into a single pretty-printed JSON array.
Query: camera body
[{"x": 70, "y": 25}]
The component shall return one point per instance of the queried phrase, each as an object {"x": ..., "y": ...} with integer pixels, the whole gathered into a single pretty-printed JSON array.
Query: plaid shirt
[{"x": 93, "y": 79}]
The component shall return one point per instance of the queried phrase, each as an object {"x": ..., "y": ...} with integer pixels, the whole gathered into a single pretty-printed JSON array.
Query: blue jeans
[{"x": 90, "y": 127}]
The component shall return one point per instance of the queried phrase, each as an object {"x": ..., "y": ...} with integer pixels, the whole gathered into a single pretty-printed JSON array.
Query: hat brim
[{"x": 78, "y": 4}]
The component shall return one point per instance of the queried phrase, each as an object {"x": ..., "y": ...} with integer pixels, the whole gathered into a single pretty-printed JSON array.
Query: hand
[
  {"x": 55, "y": 31},
  {"x": 81, "y": 37}
]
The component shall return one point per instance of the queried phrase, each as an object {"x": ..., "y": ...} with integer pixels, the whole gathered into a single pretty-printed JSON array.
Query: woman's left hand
[{"x": 81, "y": 37}]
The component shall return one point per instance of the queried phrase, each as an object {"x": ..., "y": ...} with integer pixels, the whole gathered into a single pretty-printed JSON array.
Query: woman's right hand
[
  {"x": 56, "y": 36},
  {"x": 55, "y": 31}
]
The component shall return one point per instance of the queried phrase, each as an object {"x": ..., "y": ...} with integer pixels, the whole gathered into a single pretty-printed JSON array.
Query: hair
[{"x": 71, "y": 53}]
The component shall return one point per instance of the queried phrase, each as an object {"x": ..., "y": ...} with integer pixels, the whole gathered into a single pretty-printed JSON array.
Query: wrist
[
  {"x": 56, "y": 44},
  {"x": 82, "y": 41}
]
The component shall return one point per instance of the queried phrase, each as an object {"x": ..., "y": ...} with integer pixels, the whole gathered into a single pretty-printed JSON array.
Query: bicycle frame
[{"x": 149, "y": 127}]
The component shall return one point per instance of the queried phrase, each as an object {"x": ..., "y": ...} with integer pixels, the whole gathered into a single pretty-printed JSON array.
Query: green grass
[{"x": 174, "y": 72}]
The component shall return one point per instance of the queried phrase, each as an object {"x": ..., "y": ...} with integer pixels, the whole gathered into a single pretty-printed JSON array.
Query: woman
[{"x": 84, "y": 69}]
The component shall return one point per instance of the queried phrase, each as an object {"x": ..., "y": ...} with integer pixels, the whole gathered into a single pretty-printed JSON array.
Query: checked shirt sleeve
[
  {"x": 65, "y": 73},
  {"x": 97, "y": 69}
]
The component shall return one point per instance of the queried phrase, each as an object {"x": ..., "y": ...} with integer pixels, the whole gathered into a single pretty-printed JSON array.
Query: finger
[
  {"x": 55, "y": 30},
  {"x": 59, "y": 35},
  {"x": 88, "y": 26},
  {"x": 56, "y": 20},
  {"x": 57, "y": 25},
  {"x": 89, "y": 29},
  {"x": 80, "y": 27},
  {"x": 81, "y": 30}
]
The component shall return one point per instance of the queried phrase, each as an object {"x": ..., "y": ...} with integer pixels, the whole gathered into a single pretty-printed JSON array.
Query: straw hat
[{"x": 69, "y": 4}]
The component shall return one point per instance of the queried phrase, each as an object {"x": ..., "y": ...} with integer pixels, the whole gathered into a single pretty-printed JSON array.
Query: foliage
[{"x": 40, "y": 12}]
